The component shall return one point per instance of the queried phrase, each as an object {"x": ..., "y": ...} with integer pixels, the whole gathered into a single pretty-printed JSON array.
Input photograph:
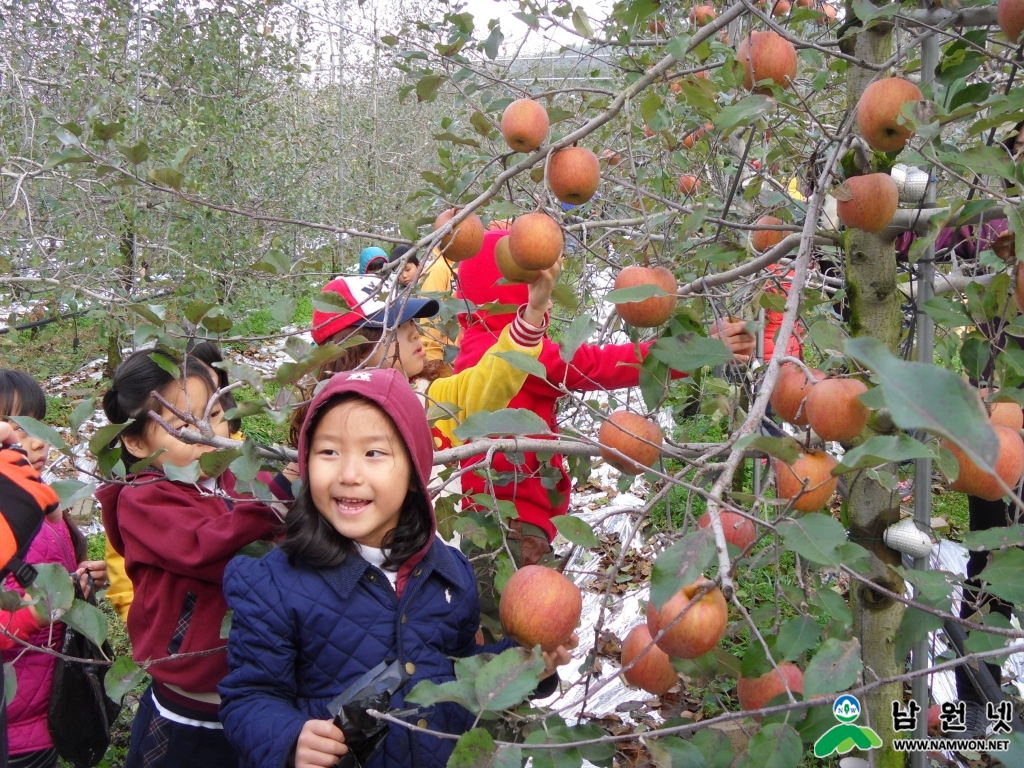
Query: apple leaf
[
  {"x": 476, "y": 749},
  {"x": 52, "y": 589},
  {"x": 1003, "y": 574},
  {"x": 926, "y": 397},
  {"x": 681, "y": 564},
  {"x": 508, "y": 421},
  {"x": 576, "y": 530},
  {"x": 123, "y": 675},
  {"x": 40, "y": 431},
  {"x": 815, "y": 537},
  {"x": 782, "y": 448},
  {"x": 581, "y": 23},
  {"x": 427, "y": 87},
  {"x": 842, "y": 193},
  {"x": 673, "y": 752},
  {"x": 777, "y": 745},
  {"x": 426, "y": 693},
  {"x": 82, "y": 413},
  {"x": 689, "y": 352},
  {"x": 524, "y": 362},
  {"x": 743, "y": 112},
  {"x": 717, "y": 752},
  {"x": 88, "y": 620},
  {"x": 882, "y": 449},
  {"x": 71, "y": 491},
  {"x": 994, "y": 538},
  {"x": 979, "y": 641},
  {"x": 188, "y": 474},
  {"x": 10, "y": 682},
  {"x": 508, "y": 678},
  {"x": 915, "y": 625},
  {"x": 797, "y": 635},
  {"x": 634, "y": 293},
  {"x": 573, "y": 337},
  {"x": 834, "y": 667}
]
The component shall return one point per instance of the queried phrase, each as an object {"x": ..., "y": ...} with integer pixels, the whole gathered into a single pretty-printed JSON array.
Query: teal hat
[{"x": 369, "y": 255}]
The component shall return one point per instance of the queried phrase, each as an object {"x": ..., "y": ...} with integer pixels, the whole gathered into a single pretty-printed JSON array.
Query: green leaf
[
  {"x": 833, "y": 668},
  {"x": 72, "y": 491},
  {"x": 508, "y": 678},
  {"x": 678, "y": 47},
  {"x": 994, "y": 538},
  {"x": 492, "y": 45},
  {"x": 982, "y": 160},
  {"x": 673, "y": 752},
  {"x": 136, "y": 154},
  {"x": 634, "y": 293},
  {"x": 408, "y": 228},
  {"x": 922, "y": 396},
  {"x": 648, "y": 109},
  {"x": 508, "y": 421},
  {"x": 950, "y": 314},
  {"x": 82, "y": 413},
  {"x": 1003, "y": 574},
  {"x": 744, "y": 112},
  {"x": 65, "y": 157},
  {"x": 814, "y": 537},
  {"x": 167, "y": 177},
  {"x": 87, "y": 619},
  {"x": 10, "y": 682},
  {"x": 215, "y": 463},
  {"x": 225, "y": 623},
  {"x": 565, "y": 296},
  {"x": 979, "y": 641},
  {"x": 681, "y": 564},
  {"x": 576, "y": 530},
  {"x": 427, "y": 86},
  {"x": 52, "y": 590},
  {"x": 40, "y": 431},
  {"x": 188, "y": 474},
  {"x": 777, "y": 745},
  {"x": 476, "y": 749},
  {"x": 716, "y": 750},
  {"x": 524, "y": 362},
  {"x": 276, "y": 262},
  {"x": 689, "y": 352},
  {"x": 123, "y": 675},
  {"x": 581, "y": 23},
  {"x": 456, "y": 139},
  {"x": 829, "y": 336},
  {"x": 783, "y": 448},
  {"x": 867, "y": 11},
  {"x": 242, "y": 372},
  {"x": 797, "y": 635},
  {"x": 427, "y": 693},
  {"x": 196, "y": 309},
  {"x": 915, "y": 625},
  {"x": 882, "y": 449},
  {"x": 248, "y": 465},
  {"x": 290, "y": 373},
  {"x": 104, "y": 436},
  {"x": 581, "y": 329},
  {"x": 283, "y": 309}
]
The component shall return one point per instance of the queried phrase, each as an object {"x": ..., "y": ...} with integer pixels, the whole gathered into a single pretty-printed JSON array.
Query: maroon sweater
[{"x": 176, "y": 543}]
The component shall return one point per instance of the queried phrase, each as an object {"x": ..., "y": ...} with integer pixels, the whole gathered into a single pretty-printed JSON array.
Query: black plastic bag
[
  {"x": 364, "y": 733},
  {"x": 80, "y": 712}
]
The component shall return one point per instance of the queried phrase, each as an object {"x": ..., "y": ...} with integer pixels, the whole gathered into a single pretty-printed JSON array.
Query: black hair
[
  {"x": 311, "y": 538},
  {"x": 376, "y": 264},
  {"x": 399, "y": 251},
  {"x": 208, "y": 353},
  {"x": 136, "y": 379},
  {"x": 21, "y": 395}
]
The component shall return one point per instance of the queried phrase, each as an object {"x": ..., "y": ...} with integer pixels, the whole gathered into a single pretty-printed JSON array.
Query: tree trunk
[{"x": 875, "y": 311}]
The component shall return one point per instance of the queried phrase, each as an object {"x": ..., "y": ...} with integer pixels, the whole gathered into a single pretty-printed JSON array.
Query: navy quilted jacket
[{"x": 299, "y": 637}]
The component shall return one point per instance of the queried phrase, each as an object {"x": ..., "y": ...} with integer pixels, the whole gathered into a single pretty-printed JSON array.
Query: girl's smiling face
[{"x": 359, "y": 471}]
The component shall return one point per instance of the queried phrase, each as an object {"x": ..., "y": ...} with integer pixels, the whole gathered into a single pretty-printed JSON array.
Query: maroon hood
[{"x": 393, "y": 393}]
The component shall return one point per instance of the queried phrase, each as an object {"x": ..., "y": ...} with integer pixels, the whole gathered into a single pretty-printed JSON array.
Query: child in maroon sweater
[{"x": 176, "y": 539}]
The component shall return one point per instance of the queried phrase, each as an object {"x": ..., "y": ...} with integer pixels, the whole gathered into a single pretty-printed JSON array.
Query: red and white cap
[{"x": 362, "y": 305}]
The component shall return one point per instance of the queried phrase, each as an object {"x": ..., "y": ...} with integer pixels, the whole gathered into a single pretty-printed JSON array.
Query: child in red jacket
[
  {"x": 592, "y": 368},
  {"x": 176, "y": 538}
]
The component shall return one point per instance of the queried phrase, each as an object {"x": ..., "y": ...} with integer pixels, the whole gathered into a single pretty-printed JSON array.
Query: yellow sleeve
[
  {"x": 487, "y": 386},
  {"x": 120, "y": 593},
  {"x": 437, "y": 280}
]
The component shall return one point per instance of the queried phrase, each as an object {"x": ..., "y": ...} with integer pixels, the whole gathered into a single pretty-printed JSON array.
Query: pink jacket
[{"x": 26, "y": 715}]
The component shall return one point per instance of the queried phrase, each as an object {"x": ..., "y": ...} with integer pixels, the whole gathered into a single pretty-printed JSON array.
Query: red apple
[
  {"x": 812, "y": 469},
  {"x": 655, "y": 310},
  {"x": 791, "y": 388},
  {"x": 867, "y": 202},
  {"x": 762, "y": 240},
  {"x": 781, "y": 8},
  {"x": 647, "y": 131},
  {"x": 1009, "y": 466},
  {"x": 754, "y": 693},
  {"x": 574, "y": 174},
  {"x": 699, "y": 630},
  {"x": 702, "y": 15},
  {"x": 834, "y": 410},
  {"x": 878, "y": 110},
  {"x": 611, "y": 157},
  {"x": 1010, "y": 14},
  {"x": 508, "y": 267},
  {"x": 739, "y": 530},
  {"x": 465, "y": 240},
  {"x": 632, "y": 435},
  {"x": 524, "y": 125},
  {"x": 652, "y": 671},
  {"x": 689, "y": 184},
  {"x": 767, "y": 56},
  {"x": 1004, "y": 414},
  {"x": 656, "y": 26},
  {"x": 535, "y": 241},
  {"x": 540, "y": 606}
]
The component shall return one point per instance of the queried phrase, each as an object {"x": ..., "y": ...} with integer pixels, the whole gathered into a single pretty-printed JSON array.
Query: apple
[
  {"x": 878, "y": 110},
  {"x": 656, "y": 26},
  {"x": 675, "y": 87},
  {"x": 655, "y": 310},
  {"x": 688, "y": 184},
  {"x": 465, "y": 240},
  {"x": 762, "y": 240},
  {"x": 1004, "y": 414},
  {"x": 630, "y": 434},
  {"x": 830, "y": 12},
  {"x": 755, "y": 692},
  {"x": 692, "y": 138},
  {"x": 508, "y": 267},
  {"x": 611, "y": 157},
  {"x": 702, "y": 15},
  {"x": 813, "y": 468},
  {"x": 540, "y": 606},
  {"x": 1010, "y": 14},
  {"x": 834, "y": 410},
  {"x": 573, "y": 175},
  {"x": 739, "y": 530},
  {"x": 781, "y": 8},
  {"x": 804, "y": 3},
  {"x": 652, "y": 671},
  {"x": 767, "y": 56},
  {"x": 703, "y": 74},
  {"x": 524, "y": 125},
  {"x": 647, "y": 131},
  {"x": 934, "y": 721},
  {"x": 791, "y": 388},
  {"x": 535, "y": 241},
  {"x": 1009, "y": 466},
  {"x": 699, "y": 630},
  {"x": 867, "y": 202}
]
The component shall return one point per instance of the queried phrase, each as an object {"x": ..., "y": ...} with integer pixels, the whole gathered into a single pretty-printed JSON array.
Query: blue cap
[{"x": 369, "y": 255}]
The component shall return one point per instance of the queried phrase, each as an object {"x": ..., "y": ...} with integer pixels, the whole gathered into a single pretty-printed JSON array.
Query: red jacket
[
  {"x": 773, "y": 320},
  {"x": 592, "y": 368},
  {"x": 176, "y": 541}
]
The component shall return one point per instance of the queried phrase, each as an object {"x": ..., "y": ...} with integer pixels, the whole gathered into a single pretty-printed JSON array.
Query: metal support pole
[
  {"x": 925, "y": 354},
  {"x": 759, "y": 356}
]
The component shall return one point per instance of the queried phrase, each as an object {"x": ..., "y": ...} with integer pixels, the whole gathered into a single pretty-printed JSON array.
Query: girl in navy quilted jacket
[{"x": 360, "y": 578}]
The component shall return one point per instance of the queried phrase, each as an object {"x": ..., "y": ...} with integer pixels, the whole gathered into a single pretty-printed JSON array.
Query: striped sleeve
[{"x": 523, "y": 333}]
